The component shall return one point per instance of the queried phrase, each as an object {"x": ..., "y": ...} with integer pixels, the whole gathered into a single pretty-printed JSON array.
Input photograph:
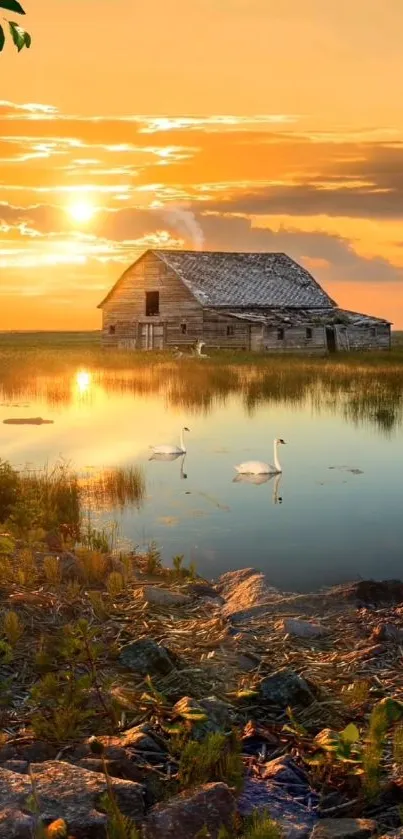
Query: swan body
[
  {"x": 257, "y": 467},
  {"x": 171, "y": 450}
]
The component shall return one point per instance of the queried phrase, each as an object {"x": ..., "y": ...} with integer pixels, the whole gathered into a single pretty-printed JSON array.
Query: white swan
[
  {"x": 257, "y": 467},
  {"x": 176, "y": 450}
]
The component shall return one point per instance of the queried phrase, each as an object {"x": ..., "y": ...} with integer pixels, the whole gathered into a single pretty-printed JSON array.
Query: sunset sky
[{"x": 224, "y": 124}]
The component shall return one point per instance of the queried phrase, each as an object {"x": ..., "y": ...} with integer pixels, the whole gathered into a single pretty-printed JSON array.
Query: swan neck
[
  {"x": 276, "y": 460},
  {"x": 182, "y": 442}
]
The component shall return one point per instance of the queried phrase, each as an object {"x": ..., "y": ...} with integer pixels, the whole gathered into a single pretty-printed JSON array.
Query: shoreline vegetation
[{"x": 143, "y": 701}]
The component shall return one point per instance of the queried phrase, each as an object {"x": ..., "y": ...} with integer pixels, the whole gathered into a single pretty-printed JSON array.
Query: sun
[{"x": 81, "y": 211}]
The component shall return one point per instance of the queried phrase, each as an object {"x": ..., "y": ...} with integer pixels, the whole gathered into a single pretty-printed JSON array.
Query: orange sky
[{"x": 292, "y": 140}]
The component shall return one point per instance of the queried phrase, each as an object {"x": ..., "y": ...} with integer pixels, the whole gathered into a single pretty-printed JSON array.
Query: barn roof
[
  {"x": 220, "y": 279},
  {"x": 291, "y": 317}
]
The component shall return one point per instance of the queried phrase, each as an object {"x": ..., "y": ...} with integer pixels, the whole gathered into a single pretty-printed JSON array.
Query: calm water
[{"x": 335, "y": 514}]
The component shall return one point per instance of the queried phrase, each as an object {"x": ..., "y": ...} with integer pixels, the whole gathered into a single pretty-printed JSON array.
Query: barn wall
[
  {"x": 225, "y": 333},
  {"x": 368, "y": 337},
  {"x": 125, "y": 309},
  {"x": 295, "y": 339}
]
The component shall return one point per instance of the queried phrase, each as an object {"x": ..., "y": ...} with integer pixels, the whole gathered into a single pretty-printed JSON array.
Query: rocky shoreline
[{"x": 155, "y": 667}]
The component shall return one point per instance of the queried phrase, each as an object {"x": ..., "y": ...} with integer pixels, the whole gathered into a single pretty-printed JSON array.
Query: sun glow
[
  {"x": 83, "y": 381},
  {"x": 81, "y": 211}
]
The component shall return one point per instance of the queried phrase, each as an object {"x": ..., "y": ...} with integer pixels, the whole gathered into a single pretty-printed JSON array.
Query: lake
[{"x": 334, "y": 514}]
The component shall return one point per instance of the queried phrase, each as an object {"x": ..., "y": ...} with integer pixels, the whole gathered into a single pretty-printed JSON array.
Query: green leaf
[
  {"x": 350, "y": 734},
  {"x": 12, "y": 6},
  {"x": 17, "y": 34},
  {"x": 27, "y": 39},
  {"x": 2, "y": 38}
]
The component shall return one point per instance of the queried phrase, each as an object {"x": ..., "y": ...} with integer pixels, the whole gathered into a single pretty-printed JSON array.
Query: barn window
[
  {"x": 152, "y": 303},
  {"x": 372, "y": 331},
  {"x": 184, "y": 328},
  {"x": 112, "y": 329},
  {"x": 230, "y": 331},
  {"x": 309, "y": 333},
  {"x": 280, "y": 334}
]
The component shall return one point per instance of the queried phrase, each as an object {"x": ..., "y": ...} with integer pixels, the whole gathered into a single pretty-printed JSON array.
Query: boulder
[
  {"x": 14, "y": 824},
  {"x": 211, "y": 806},
  {"x": 147, "y": 657},
  {"x": 285, "y": 687},
  {"x": 303, "y": 629},
  {"x": 344, "y": 829},
  {"x": 164, "y": 596},
  {"x": 71, "y": 793},
  {"x": 32, "y": 751}
]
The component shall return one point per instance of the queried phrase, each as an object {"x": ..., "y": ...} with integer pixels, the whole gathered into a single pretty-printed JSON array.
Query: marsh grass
[{"x": 119, "y": 487}]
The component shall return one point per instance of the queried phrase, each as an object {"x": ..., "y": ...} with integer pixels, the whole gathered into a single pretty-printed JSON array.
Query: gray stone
[
  {"x": 303, "y": 629},
  {"x": 164, "y": 596},
  {"x": 344, "y": 829},
  {"x": 71, "y": 793},
  {"x": 147, "y": 657},
  {"x": 16, "y": 825},
  {"x": 211, "y": 806},
  {"x": 389, "y": 633},
  {"x": 285, "y": 687}
]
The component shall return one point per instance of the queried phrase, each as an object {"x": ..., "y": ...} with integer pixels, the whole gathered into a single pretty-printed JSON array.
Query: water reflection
[
  {"x": 168, "y": 458},
  {"x": 365, "y": 397},
  {"x": 257, "y": 480}
]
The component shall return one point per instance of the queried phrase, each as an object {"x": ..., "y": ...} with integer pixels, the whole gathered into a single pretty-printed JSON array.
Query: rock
[
  {"x": 147, "y": 657},
  {"x": 21, "y": 766},
  {"x": 283, "y": 790},
  {"x": 32, "y": 751},
  {"x": 285, "y": 687},
  {"x": 71, "y": 793},
  {"x": 140, "y": 738},
  {"x": 247, "y": 663},
  {"x": 16, "y": 825},
  {"x": 303, "y": 629},
  {"x": 204, "y": 591},
  {"x": 243, "y": 591},
  {"x": 344, "y": 829},
  {"x": 211, "y": 806},
  {"x": 124, "y": 768},
  {"x": 376, "y": 593},
  {"x": 220, "y": 715},
  {"x": 388, "y": 632},
  {"x": 164, "y": 596}
]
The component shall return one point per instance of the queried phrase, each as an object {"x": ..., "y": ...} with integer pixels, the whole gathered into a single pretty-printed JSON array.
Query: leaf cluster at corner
[{"x": 19, "y": 36}]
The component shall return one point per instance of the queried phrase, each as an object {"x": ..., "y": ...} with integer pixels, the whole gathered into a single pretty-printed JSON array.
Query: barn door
[
  {"x": 151, "y": 336},
  {"x": 331, "y": 338}
]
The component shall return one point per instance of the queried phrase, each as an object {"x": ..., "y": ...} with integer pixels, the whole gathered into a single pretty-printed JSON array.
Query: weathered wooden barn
[{"x": 252, "y": 301}]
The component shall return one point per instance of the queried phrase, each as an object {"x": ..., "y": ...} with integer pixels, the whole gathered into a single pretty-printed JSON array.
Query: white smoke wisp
[{"x": 186, "y": 223}]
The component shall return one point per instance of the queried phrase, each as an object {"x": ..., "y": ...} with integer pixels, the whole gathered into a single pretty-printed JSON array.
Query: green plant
[
  {"x": 9, "y": 483},
  {"x": 337, "y": 746},
  {"x": 115, "y": 584},
  {"x": 153, "y": 559},
  {"x": 217, "y": 758},
  {"x": 261, "y": 826},
  {"x": 52, "y": 570},
  {"x": 178, "y": 564},
  {"x": 12, "y": 627},
  {"x": 20, "y": 37},
  {"x": 384, "y": 714}
]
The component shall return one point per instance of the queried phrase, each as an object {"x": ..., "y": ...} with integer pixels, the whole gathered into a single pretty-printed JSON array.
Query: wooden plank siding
[
  {"x": 295, "y": 338},
  {"x": 124, "y": 312},
  {"x": 368, "y": 337}
]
